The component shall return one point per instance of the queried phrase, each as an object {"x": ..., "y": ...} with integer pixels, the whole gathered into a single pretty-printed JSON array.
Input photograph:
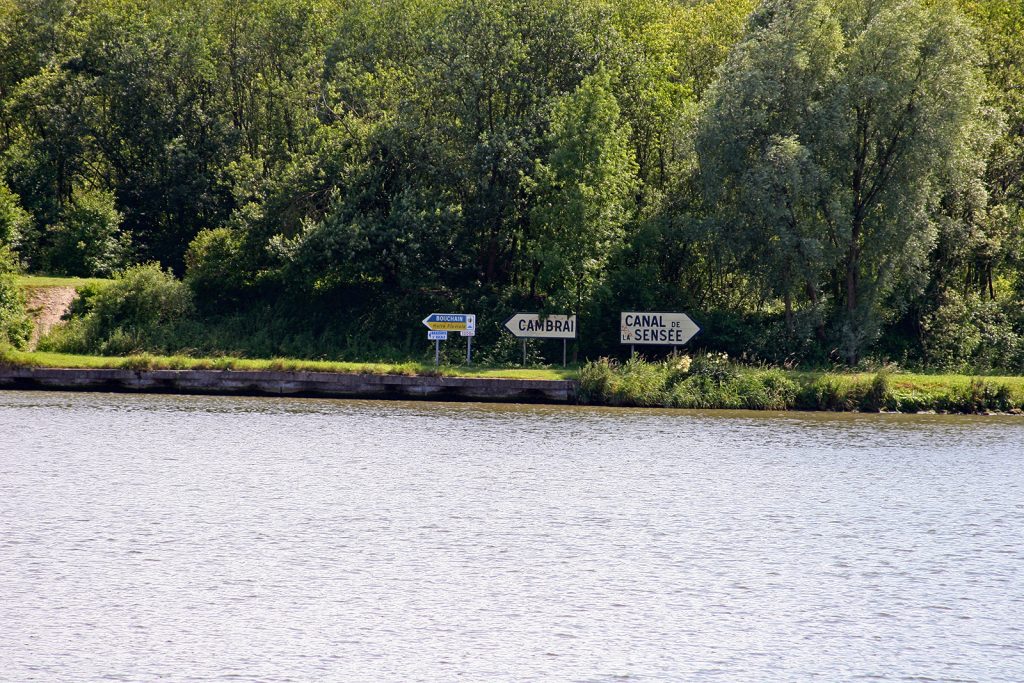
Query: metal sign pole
[
  {"x": 437, "y": 352},
  {"x": 469, "y": 350},
  {"x": 524, "y": 352},
  {"x": 565, "y": 343}
]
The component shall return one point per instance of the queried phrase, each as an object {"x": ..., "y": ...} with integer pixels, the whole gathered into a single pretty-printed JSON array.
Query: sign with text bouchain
[
  {"x": 656, "y": 328},
  {"x": 463, "y": 323}
]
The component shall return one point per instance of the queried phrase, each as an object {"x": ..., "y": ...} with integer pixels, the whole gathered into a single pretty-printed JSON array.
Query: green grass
[
  {"x": 641, "y": 383},
  {"x": 48, "y": 281},
  {"x": 915, "y": 381},
  {"x": 728, "y": 385},
  {"x": 148, "y": 362}
]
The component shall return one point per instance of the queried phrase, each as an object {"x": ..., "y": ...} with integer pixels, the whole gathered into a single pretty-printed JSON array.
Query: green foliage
[
  {"x": 706, "y": 381},
  {"x": 87, "y": 240},
  {"x": 794, "y": 173},
  {"x": 824, "y": 142},
  {"x": 971, "y": 332},
  {"x": 141, "y": 309},
  {"x": 15, "y": 222},
  {"x": 214, "y": 268},
  {"x": 15, "y": 325},
  {"x": 979, "y": 396},
  {"x": 584, "y": 189}
]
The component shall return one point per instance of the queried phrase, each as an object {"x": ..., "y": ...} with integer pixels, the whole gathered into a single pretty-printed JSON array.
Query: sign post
[
  {"x": 670, "y": 329},
  {"x": 537, "y": 326},
  {"x": 463, "y": 323},
  {"x": 437, "y": 337}
]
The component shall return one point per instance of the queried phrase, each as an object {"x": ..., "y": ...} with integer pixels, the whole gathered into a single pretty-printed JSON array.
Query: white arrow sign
[
  {"x": 656, "y": 328},
  {"x": 535, "y": 326}
]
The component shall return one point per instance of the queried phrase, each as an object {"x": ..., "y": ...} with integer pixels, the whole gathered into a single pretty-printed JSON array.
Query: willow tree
[{"x": 824, "y": 141}]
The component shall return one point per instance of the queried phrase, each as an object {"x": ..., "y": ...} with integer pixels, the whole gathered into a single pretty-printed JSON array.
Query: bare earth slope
[{"x": 47, "y": 305}]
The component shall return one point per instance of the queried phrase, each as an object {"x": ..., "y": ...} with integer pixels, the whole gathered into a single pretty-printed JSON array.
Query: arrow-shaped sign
[
  {"x": 451, "y": 322},
  {"x": 656, "y": 328},
  {"x": 535, "y": 326}
]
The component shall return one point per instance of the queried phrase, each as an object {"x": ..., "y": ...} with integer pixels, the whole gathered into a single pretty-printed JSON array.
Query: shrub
[
  {"x": 597, "y": 381},
  {"x": 641, "y": 383},
  {"x": 713, "y": 366},
  {"x": 749, "y": 389},
  {"x": 978, "y": 396},
  {"x": 716, "y": 384},
  {"x": 779, "y": 391},
  {"x": 87, "y": 240},
  {"x": 823, "y": 393},
  {"x": 875, "y": 398},
  {"x": 677, "y": 367},
  {"x": 145, "y": 308},
  {"x": 213, "y": 270},
  {"x": 15, "y": 222},
  {"x": 971, "y": 332},
  {"x": 15, "y": 324}
]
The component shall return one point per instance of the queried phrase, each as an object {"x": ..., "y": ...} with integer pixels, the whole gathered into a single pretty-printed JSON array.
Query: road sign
[
  {"x": 535, "y": 326},
  {"x": 437, "y": 335},
  {"x": 656, "y": 328},
  {"x": 452, "y": 322}
]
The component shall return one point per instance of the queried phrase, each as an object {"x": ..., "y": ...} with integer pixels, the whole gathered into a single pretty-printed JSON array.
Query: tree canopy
[{"x": 814, "y": 180}]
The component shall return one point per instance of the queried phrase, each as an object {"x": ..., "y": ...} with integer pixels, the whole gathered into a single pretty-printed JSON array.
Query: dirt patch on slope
[{"x": 46, "y": 305}]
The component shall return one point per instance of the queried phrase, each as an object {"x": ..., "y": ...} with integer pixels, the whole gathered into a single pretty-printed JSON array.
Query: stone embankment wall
[{"x": 309, "y": 384}]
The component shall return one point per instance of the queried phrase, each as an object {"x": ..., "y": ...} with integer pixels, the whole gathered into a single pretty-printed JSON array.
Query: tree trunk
[
  {"x": 852, "y": 282},
  {"x": 789, "y": 313}
]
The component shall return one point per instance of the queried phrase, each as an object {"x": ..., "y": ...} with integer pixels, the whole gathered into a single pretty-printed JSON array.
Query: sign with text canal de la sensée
[
  {"x": 535, "y": 326},
  {"x": 656, "y": 328},
  {"x": 464, "y": 323}
]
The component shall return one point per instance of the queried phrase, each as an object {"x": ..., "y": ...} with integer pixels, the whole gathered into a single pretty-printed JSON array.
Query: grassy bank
[
  {"x": 30, "y": 281},
  {"x": 705, "y": 381},
  {"x": 149, "y": 362},
  {"x": 711, "y": 381}
]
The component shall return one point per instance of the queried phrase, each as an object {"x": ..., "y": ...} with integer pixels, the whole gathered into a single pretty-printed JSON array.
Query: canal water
[{"x": 147, "y": 538}]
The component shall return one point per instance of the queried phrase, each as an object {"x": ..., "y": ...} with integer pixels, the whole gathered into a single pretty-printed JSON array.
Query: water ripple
[{"x": 202, "y": 539}]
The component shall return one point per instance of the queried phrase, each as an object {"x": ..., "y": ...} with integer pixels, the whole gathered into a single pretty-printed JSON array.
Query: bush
[
  {"x": 213, "y": 269},
  {"x": 641, "y": 383},
  {"x": 15, "y": 222},
  {"x": 978, "y": 396},
  {"x": 597, "y": 381},
  {"x": 145, "y": 308},
  {"x": 877, "y": 395},
  {"x": 714, "y": 366},
  {"x": 968, "y": 332},
  {"x": 705, "y": 382},
  {"x": 15, "y": 324},
  {"x": 747, "y": 389},
  {"x": 87, "y": 240},
  {"x": 824, "y": 393}
]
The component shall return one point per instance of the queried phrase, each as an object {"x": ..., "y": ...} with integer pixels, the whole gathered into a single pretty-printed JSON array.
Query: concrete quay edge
[{"x": 290, "y": 383}]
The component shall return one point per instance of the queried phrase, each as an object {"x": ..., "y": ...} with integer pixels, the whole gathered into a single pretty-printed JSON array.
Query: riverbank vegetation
[
  {"x": 310, "y": 178},
  {"x": 704, "y": 382},
  {"x": 712, "y": 381},
  {"x": 42, "y": 359}
]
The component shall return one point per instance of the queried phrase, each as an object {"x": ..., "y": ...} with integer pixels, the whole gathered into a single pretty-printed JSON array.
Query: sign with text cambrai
[
  {"x": 656, "y": 328},
  {"x": 534, "y": 326}
]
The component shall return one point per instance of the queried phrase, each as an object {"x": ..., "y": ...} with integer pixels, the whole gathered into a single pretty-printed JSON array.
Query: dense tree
[
  {"x": 827, "y": 136},
  {"x": 584, "y": 190},
  {"x": 807, "y": 177}
]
